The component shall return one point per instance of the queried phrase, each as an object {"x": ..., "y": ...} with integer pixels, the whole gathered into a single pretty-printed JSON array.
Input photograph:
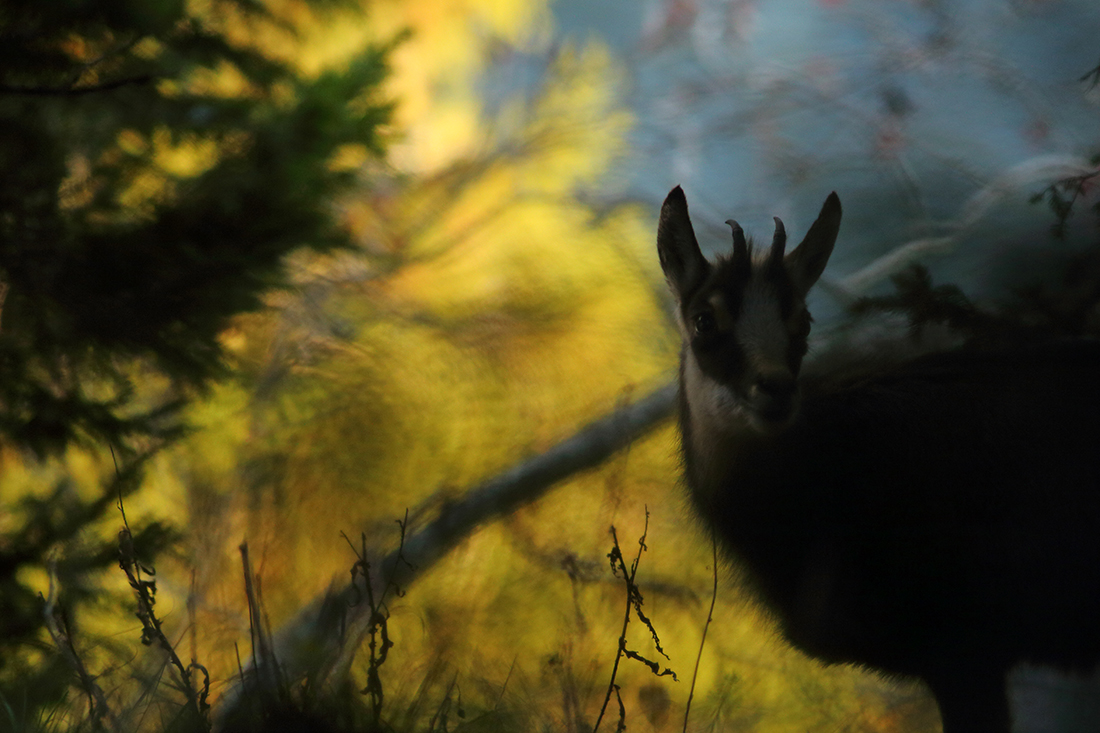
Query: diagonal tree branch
[
  {"x": 324, "y": 624},
  {"x": 586, "y": 449},
  {"x": 75, "y": 91}
]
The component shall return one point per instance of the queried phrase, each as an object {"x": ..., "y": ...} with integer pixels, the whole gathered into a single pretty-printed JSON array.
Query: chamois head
[{"x": 743, "y": 318}]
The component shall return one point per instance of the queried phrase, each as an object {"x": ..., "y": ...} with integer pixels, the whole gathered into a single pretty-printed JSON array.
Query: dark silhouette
[{"x": 937, "y": 518}]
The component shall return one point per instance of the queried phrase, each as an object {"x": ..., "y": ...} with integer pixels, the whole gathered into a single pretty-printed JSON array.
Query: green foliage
[
  {"x": 925, "y": 305},
  {"x": 1062, "y": 195},
  {"x": 106, "y": 251},
  {"x": 158, "y": 167},
  {"x": 1065, "y": 308}
]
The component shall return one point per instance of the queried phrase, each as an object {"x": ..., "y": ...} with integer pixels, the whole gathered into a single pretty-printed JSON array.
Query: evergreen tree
[{"x": 158, "y": 165}]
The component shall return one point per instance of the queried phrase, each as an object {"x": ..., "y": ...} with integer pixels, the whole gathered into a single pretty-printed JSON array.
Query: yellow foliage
[
  {"x": 350, "y": 158},
  {"x": 515, "y": 318},
  {"x": 226, "y": 81},
  {"x": 186, "y": 158},
  {"x": 435, "y": 67},
  {"x": 152, "y": 186},
  {"x": 489, "y": 314}
]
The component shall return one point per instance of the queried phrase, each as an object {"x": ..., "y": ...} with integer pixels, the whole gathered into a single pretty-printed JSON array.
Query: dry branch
[
  {"x": 324, "y": 624},
  {"x": 508, "y": 491}
]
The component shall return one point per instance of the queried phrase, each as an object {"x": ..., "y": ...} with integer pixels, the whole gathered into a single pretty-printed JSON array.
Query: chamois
[{"x": 939, "y": 518}]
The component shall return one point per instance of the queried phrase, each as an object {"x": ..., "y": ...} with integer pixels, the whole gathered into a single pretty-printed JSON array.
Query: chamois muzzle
[{"x": 774, "y": 399}]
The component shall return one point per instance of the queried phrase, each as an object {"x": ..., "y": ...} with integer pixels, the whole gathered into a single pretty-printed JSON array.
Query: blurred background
[{"x": 323, "y": 278}]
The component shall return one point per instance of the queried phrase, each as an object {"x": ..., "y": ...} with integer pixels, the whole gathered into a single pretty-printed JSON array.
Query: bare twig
[
  {"x": 706, "y": 627},
  {"x": 378, "y": 628},
  {"x": 505, "y": 493},
  {"x": 74, "y": 91},
  {"x": 264, "y": 661},
  {"x": 316, "y": 627},
  {"x": 527, "y": 481},
  {"x": 70, "y": 88},
  {"x": 441, "y": 713},
  {"x": 1062, "y": 196},
  {"x": 97, "y": 701},
  {"x": 634, "y": 601},
  {"x": 152, "y": 632},
  {"x": 1092, "y": 76}
]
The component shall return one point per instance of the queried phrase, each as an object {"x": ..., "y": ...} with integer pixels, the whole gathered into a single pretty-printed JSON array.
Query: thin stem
[{"x": 706, "y": 626}]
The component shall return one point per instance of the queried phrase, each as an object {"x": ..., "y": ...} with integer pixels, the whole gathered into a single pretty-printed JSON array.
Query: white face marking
[
  {"x": 714, "y": 406},
  {"x": 715, "y": 411}
]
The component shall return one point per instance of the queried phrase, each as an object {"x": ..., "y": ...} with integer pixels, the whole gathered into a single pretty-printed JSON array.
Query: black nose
[
  {"x": 777, "y": 388},
  {"x": 774, "y": 398}
]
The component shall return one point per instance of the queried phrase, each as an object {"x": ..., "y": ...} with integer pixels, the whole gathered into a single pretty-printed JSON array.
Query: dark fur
[{"x": 939, "y": 519}]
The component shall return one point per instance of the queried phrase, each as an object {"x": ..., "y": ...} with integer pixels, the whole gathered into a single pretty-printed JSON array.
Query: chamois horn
[
  {"x": 779, "y": 242},
  {"x": 740, "y": 246}
]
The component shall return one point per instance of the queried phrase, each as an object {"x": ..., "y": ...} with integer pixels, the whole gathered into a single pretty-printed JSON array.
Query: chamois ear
[
  {"x": 806, "y": 263},
  {"x": 683, "y": 263}
]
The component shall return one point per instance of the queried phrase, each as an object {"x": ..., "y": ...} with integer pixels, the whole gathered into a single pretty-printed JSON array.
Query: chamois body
[{"x": 940, "y": 518}]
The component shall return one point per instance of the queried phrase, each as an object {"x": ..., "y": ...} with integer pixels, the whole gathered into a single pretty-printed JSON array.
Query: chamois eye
[{"x": 704, "y": 323}]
